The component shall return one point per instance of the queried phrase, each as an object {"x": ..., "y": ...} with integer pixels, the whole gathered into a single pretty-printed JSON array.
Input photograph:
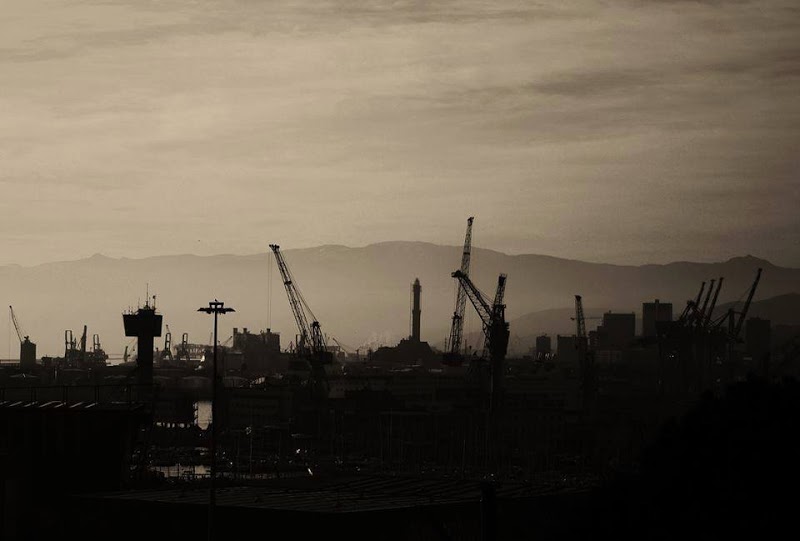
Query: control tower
[{"x": 145, "y": 324}]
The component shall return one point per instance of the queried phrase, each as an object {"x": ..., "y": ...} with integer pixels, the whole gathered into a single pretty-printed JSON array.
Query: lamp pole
[{"x": 214, "y": 307}]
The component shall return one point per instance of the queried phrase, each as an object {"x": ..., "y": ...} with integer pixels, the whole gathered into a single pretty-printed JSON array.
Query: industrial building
[
  {"x": 653, "y": 312},
  {"x": 617, "y": 332}
]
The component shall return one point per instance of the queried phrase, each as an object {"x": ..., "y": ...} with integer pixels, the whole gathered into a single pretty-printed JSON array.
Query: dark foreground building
[
  {"x": 354, "y": 508},
  {"x": 52, "y": 447}
]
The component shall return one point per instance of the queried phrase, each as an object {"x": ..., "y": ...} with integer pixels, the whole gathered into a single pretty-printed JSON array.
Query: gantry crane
[
  {"x": 166, "y": 355},
  {"x": 453, "y": 354},
  {"x": 495, "y": 327},
  {"x": 311, "y": 343},
  {"x": 69, "y": 348},
  {"x": 183, "y": 349}
]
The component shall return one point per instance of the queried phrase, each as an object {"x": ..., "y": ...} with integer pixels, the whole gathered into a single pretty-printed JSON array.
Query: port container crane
[
  {"x": 167, "y": 353},
  {"x": 710, "y": 312},
  {"x": 183, "y": 349},
  {"x": 453, "y": 354},
  {"x": 737, "y": 330},
  {"x": 701, "y": 314}
]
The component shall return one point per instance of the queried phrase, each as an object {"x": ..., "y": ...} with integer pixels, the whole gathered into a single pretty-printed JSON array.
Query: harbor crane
[
  {"x": 705, "y": 323},
  {"x": 17, "y": 327},
  {"x": 167, "y": 354},
  {"x": 495, "y": 327},
  {"x": 183, "y": 349},
  {"x": 310, "y": 343},
  {"x": 496, "y": 333},
  {"x": 585, "y": 355},
  {"x": 737, "y": 329},
  {"x": 701, "y": 314},
  {"x": 27, "y": 349},
  {"x": 453, "y": 354}
]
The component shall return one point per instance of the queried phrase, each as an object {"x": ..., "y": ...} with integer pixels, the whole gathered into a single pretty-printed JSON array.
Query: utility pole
[{"x": 215, "y": 307}]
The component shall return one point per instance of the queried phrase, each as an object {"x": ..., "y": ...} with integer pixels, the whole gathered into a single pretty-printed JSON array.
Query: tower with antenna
[{"x": 145, "y": 325}]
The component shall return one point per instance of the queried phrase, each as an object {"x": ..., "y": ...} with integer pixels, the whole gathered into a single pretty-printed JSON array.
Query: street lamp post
[{"x": 215, "y": 307}]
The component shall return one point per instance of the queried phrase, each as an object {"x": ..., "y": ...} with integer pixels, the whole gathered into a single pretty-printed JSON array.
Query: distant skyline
[{"x": 624, "y": 131}]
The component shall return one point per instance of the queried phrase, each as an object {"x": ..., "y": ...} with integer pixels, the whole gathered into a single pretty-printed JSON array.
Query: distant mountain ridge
[{"x": 357, "y": 293}]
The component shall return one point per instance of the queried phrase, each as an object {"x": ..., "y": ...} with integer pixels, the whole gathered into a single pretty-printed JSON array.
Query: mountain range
[{"x": 361, "y": 295}]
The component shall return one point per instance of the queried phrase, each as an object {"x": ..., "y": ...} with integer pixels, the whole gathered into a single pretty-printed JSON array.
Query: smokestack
[{"x": 415, "y": 311}]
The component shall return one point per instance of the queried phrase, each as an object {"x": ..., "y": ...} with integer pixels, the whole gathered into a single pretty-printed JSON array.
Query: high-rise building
[
  {"x": 757, "y": 337},
  {"x": 619, "y": 329},
  {"x": 567, "y": 348},
  {"x": 653, "y": 312},
  {"x": 544, "y": 346},
  {"x": 27, "y": 355}
]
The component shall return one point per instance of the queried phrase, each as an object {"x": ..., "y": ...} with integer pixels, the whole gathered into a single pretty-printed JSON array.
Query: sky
[{"x": 620, "y": 131}]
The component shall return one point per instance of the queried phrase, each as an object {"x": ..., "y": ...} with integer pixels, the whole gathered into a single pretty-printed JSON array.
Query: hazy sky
[{"x": 619, "y": 131}]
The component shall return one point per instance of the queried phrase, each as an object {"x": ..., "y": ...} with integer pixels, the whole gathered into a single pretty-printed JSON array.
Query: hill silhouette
[{"x": 360, "y": 295}]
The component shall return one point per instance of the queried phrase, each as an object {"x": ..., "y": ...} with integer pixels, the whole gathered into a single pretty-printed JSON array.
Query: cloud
[{"x": 355, "y": 122}]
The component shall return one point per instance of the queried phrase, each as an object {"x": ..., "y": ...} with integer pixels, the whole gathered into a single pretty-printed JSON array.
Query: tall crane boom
[
  {"x": 738, "y": 329},
  {"x": 311, "y": 341},
  {"x": 475, "y": 296},
  {"x": 20, "y": 333},
  {"x": 701, "y": 314},
  {"x": 457, "y": 326},
  {"x": 495, "y": 327},
  {"x": 713, "y": 303}
]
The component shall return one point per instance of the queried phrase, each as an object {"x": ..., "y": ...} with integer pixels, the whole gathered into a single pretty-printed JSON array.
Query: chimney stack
[{"x": 415, "y": 311}]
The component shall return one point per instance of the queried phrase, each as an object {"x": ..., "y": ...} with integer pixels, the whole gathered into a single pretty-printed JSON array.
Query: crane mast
[
  {"x": 457, "y": 325},
  {"x": 585, "y": 355},
  {"x": 580, "y": 319},
  {"x": 167, "y": 354}
]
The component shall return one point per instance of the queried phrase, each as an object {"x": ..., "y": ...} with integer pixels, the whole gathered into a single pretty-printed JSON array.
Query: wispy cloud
[{"x": 584, "y": 129}]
